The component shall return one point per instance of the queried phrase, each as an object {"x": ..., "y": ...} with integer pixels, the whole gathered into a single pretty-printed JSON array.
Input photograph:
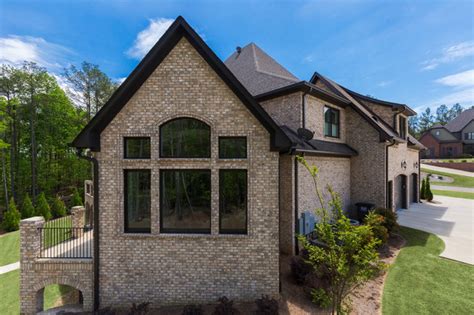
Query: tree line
[{"x": 38, "y": 120}]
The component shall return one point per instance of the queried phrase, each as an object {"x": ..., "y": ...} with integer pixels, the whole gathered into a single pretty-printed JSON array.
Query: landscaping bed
[{"x": 463, "y": 166}]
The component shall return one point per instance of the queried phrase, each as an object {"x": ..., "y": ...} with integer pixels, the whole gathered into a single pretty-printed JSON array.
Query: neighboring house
[
  {"x": 452, "y": 140},
  {"x": 197, "y": 189}
]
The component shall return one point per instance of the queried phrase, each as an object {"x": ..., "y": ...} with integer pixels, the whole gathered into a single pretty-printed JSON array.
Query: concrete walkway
[
  {"x": 447, "y": 170},
  {"x": 10, "y": 267},
  {"x": 453, "y": 188},
  {"x": 452, "y": 219}
]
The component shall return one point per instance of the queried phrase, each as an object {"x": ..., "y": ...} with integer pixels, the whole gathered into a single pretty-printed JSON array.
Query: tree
[
  {"x": 426, "y": 120},
  {"x": 442, "y": 115},
  {"x": 90, "y": 86},
  {"x": 455, "y": 110},
  {"x": 347, "y": 257},
  {"x": 42, "y": 207},
  {"x": 428, "y": 192},
  {"x": 413, "y": 128},
  {"x": 27, "y": 209},
  {"x": 11, "y": 219},
  {"x": 76, "y": 198},
  {"x": 58, "y": 208},
  {"x": 423, "y": 189}
]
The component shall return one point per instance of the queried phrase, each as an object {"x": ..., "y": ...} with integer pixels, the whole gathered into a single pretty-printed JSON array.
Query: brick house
[
  {"x": 451, "y": 140},
  {"x": 196, "y": 187}
]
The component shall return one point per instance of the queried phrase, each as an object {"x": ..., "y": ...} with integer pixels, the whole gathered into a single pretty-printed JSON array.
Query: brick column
[{"x": 30, "y": 246}]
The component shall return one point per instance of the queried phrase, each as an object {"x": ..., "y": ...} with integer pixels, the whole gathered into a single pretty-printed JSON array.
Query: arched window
[{"x": 185, "y": 138}]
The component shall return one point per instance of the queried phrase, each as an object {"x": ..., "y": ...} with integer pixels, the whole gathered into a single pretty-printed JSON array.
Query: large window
[
  {"x": 185, "y": 201},
  {"x": 402, "y": 125},
  {"x": 185, "y": 138},
  {"x": 469, "y": 136},
  {"x": 137, "y": 201},
  {"x": 331, "y": 122},
  {"x": 233, "y": 201},
  {"x": 136, "y": 147},
  {"x": 232, "y": 147}
]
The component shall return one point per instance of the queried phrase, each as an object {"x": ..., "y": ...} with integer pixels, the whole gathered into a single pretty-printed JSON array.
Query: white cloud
[
  {"x": 461, "y": 79},
  {"x": 450, "y": 54},
  {"x": 463, "y": 97},
  {"x": 16, "y": 49},
  {"x": 148, "y": 37},
  {"x": 384, "y": 83}
]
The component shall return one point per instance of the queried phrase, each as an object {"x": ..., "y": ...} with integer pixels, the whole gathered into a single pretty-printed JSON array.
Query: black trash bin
[{"x": 363, "y": 209}]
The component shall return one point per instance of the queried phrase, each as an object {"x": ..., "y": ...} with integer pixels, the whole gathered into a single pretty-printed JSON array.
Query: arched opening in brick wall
[{"x": 59, "y": 296}]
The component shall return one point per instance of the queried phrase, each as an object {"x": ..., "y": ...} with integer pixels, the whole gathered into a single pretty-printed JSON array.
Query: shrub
[
  {"x": 299, "y": 269},
  {"x": 76, "y": 198},
  {"x": 423, "y": 189},
  {"x": 192, "y": 310},
  {"x": 466, "y": 156},
  {"x": 42, "y": 207},
  {"x": 375, "y": 222},
  {"x": 390, "y": 219},
  {"x": 464, "y": 161},
  {"x": 11, "y": 218},
  {"x": 266, "y": 306},
  {"x": 27, "y": 209},
  {"x": 451, "y": 161},
  {"x": 428, "y": 193},
  {"x": 225, "y": 307},
  {"x": 140, "y": 309},
  {"x": 58, "y": 208}
]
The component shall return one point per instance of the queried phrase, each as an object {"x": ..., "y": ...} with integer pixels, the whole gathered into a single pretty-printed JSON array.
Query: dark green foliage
[
  {"x": 193, "y": 310},
  {"x": 42, "y": 207},
  {"x": 139, "y": 309},
  {"x": 76, "y": 198},
  {"x": 11, "y": 218},
  {"x": 423, "y": 189},
  {"x": 376, "y": 221},
  {"x": 266, "y": 306},
  {"x": 58, "y": 208},
  {"x": 428, "y": 193},
  {"x": 299, "y": 269},
  {"x": 390, "y": 219},
  {"x": 225, "y": 307},
  {"x": 27, "y": 209}
]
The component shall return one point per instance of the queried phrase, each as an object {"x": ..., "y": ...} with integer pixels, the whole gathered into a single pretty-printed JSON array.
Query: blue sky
[{"x": 416, "y": 52}]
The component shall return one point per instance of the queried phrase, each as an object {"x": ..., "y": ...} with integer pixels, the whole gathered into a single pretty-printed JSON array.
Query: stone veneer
[{"x": 187, "y": 268}]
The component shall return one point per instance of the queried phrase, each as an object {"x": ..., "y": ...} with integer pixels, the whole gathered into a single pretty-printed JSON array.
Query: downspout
[
  {"x": 95, "y": 232},
  {"x": 386, "y": 171},
  {"x": 296, "y": 203}
]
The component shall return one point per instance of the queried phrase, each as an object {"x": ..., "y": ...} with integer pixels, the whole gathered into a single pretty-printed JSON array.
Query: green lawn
[
  {"x": 52, "y": 237},
  {"x": 9, "y": 248},
  {"x": 459, "y": 180},
  {"x": 421, "y": 282},
  {"x": 457, "y": 160},
  {"x": 455, "y": 194}
]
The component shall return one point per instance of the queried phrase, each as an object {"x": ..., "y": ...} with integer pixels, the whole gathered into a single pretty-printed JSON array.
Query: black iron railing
[{"x": 65, "y": 242}]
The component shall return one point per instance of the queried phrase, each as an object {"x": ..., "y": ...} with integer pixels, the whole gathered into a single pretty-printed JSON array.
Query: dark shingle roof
[
  {"x": 257, "y": 71},
  {"x": 458, "y": 123}
]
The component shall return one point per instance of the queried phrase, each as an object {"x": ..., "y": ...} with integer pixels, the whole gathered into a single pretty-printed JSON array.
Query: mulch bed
[{"x": 463, "y": 166}]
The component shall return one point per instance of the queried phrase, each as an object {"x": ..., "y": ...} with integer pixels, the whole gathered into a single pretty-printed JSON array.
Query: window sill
[{"x": 182, "y": 235}]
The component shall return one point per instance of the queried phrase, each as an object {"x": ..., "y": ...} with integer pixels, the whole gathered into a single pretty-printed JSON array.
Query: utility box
[
  {"x": 363, "y": 209},
  {"x": 307, "y": 222}
]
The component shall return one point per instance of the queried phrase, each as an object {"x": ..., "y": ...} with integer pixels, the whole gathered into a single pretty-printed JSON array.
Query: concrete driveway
[{"x": 452, "y": 219}]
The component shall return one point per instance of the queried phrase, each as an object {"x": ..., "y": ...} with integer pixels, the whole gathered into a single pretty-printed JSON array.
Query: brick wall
[
  {"x": 173, "y": 268},
  {"x": 286, "y": 110}
]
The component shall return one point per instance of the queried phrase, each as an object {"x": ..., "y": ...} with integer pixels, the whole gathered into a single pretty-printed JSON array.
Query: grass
[
  {"x": 421, "y": 282},
  {"x": 56, "y": 236},
  {"x": 54, "y": 292},
  {"x": 9, "y": 248},
  {"x": 455, "y": 194},
  {"x": 459, "y": 180},
  {"x": 456, "y": 160}
]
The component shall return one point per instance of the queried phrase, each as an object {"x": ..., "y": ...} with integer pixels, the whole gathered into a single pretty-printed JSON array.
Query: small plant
[
  {"x": 27, "y": 209},
  {"x": 423, "y": 189},
  {"x": 58, "y": 208},
  {"x": 139, "y": 309},
  {"x": 76, "y": 198},
  {"x": 192, "y": 310},
  {"x": 225, "y": 307},
  {"x": 42, "y": 207},
  {"x": 299, "y": 269},
  {"x": 390, "y": 219},
  {"x": 266, "y": 306},
  {"x": 428, "y": 192},
  {"x": 11, "y": 218},
  {"x": 376, "y": 223}
]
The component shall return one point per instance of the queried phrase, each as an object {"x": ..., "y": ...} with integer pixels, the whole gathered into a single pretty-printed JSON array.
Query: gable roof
[
  {"x": 458, "y": 123},
  {"x": 89, "y": 137},
  {"x": 257, "y": 71}
]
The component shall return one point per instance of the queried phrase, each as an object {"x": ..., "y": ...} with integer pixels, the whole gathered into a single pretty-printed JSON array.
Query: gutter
[
  {"x": 95, "y": 232},
  {"x": 393, "y": 142}
]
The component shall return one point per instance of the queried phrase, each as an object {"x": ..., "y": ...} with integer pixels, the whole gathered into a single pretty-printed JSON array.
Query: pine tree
[
  {"x": 42, "y": 207},
  {"x": 428, "y": 193},
  {"x": 11, "y": 218},
  {"x": 58, "y": 208},
  {"x": 423, "y": 190},
  {"x": 27, "y": 209},
  {"x": 76, "y": 198}
]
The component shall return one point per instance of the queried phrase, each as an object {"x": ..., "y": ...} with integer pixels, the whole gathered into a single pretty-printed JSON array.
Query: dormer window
[
  {"x": 402, "y": 127},
  {"x": 331, "y": 122}
]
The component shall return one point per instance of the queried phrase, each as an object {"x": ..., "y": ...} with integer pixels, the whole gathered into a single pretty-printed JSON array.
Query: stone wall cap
[{"x": 33, "y": 220}]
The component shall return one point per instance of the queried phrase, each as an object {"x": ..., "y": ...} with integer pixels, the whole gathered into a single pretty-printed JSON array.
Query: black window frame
[
  {"x": 402, "y": 131},
  {"x": 338, "y": 134},
  {"x": 125, "y": 199},
  {"x": 232, "y": 137},
  {"x": 135, "y": 138},
  {"x": 180, "y": 231},
  {"x": 238, "y": 232},
  {"x": 208, "y": 156}
]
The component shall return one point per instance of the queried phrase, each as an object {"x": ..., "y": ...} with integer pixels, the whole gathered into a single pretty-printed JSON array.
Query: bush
[
  {"x": 140, "y": 309},
  {"x": 42, "y": 207},
  {"x": 464, "y": 161},
  {"x": 423, "y": 189},
  {"x": 192, "y": 310},
  {"x": 58, "y": 208},
  {"x": 299, "y": 269},
  {"x": 11, "y": 218},
  {"x": 390, "y": 219},
  {"x": 428, "y": 193},
  {"x": 225, "y": 307},
  {"x": 266, "y": 306},
  {"x": 376, "y": 221},
  {"x": 27, "y": 209},
  {"x": 76, "y": 198},
  {"x": 465, "y": 156}
]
